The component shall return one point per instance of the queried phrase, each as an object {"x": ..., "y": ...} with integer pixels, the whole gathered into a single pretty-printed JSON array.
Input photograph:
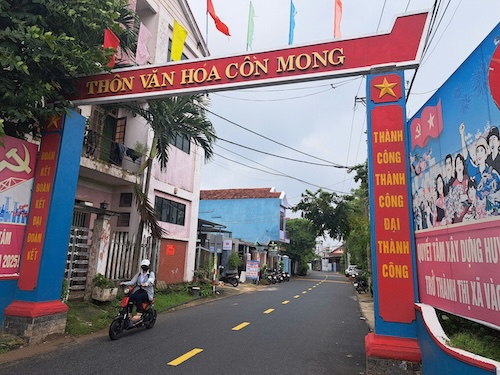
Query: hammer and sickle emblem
[
  {"x": 418, "y": 131},
  {"x": 21, "y": 166}
]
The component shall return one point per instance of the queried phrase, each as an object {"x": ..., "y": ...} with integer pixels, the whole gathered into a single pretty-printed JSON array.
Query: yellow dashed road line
[
  {"x": 268, "y": 311},
  {"x": 285, "y": 302},
  {"x": 185, "y": 357},
  {"x": 240, "y": 326},
  {"x": 296, "y": 296}
]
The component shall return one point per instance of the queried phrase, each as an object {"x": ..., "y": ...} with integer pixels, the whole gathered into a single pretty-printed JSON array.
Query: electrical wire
[
  {"x": 276, "y": 100},
  {"x": 269, "y": 139},
  {"x": 330, "y": 85},
  {"x": 277, "y": 174},
  {"x": 381, "y": 14},
  {"x": 435, "y": 11},
  {"x": 280, "y": 157}
]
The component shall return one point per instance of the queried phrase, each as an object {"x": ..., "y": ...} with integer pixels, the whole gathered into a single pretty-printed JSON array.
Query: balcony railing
[{"x": 99, "y": 147}]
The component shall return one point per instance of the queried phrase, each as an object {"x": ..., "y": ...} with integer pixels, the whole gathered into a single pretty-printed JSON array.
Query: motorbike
[
  {"x": 279, "y": 275},
  {"x": 123, "y": 322},
  {"x": 230, "y": 278},
  {"x": 360, "y": 285},
  {"x": 271, "y": 277},
  {"x": 286, "y": 276}
]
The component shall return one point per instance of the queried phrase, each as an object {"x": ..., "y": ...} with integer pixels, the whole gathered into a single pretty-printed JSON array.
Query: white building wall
[{"x": 180, "y": 180}]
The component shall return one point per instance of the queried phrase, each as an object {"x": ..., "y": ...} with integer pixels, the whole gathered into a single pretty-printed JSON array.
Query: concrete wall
[{"x": 248, "y": 219}]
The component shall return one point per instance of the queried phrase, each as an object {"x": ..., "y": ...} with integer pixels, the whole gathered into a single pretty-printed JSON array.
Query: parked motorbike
[
  {"x": 360, "y": 285},
  {"x": 122, "y": 322},
  {"x": 230, "y": 278},
  {"x": 286, "y": 276},
  {"x": 279, "y": 276},
  {"x": 271, "y": 277}
]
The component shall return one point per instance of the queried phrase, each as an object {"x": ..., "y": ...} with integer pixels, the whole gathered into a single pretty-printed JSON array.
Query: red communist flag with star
[{"x": 428, "y": 125}]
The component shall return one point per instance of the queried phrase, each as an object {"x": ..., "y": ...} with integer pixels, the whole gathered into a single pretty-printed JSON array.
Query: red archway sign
[
  {"x": 390, "y": 53},
  {"x": 398, "y": 49}
]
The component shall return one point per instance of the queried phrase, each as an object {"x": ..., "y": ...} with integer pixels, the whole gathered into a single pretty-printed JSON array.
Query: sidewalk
[{"x": 365, "y": 301}]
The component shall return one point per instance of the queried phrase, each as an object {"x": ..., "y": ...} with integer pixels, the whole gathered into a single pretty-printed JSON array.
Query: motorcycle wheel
[
  {"x": 234, "y": 282},
  {"x": 116, "y": 329},
  {"x": 150, "y": 320}
]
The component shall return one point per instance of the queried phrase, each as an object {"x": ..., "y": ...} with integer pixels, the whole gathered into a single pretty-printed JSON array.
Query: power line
[
  {"x": 381, "y": 14},
  {"x": 329, "y": 85},
  {"x": 276, "y": 100},
  {"x": 269, "y": 139},
  {"x": 435, "y": 11},
  {"x": 280, "y": 157},
  {"x": 276, "y": 174}
]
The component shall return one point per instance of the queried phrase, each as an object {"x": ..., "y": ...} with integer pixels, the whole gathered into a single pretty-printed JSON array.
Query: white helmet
[{"x": 145, "y": 262}]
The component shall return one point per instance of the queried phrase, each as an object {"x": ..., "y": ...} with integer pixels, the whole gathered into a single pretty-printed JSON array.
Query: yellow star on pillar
[
  {"x": 386, "y": 88},
  {"x": 53, "y": 122}
]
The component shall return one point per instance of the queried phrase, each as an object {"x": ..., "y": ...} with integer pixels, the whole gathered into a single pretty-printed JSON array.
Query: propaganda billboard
[
  {"x": 17, "y": 168},
  {"x": 455, "y": 185}
]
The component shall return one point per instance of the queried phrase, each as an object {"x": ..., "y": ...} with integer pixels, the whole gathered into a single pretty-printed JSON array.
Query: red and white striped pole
[{"x": 214, "y": 280}]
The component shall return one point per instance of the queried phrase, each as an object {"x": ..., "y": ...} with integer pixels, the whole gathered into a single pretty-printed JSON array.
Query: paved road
[{"x": 307, "y": 326}]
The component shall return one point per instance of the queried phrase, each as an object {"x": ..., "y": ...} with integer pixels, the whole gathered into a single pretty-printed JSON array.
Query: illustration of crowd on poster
[
  {"x": 465, "y": 188},
  {"x": 455, "y": 185}
]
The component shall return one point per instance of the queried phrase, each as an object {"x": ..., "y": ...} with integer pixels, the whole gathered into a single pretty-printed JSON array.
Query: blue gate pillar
[
  {"x": 37, "y": 310},
  {"x": 394, "y": 339}
]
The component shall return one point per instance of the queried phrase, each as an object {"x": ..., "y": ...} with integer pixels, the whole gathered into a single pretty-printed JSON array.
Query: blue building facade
[{"x": 254, "y": 215}]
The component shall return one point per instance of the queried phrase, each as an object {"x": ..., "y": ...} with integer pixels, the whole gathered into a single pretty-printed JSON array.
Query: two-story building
[
  {"x": 116, "y": 146},
  {"x": 253, "y": 215}
]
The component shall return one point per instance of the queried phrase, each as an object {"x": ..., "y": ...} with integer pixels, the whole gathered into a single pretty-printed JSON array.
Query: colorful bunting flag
[
  {"x": 337, "y": 18},
  {"x": 251, "y": 15},
  {"x": 178, "y": 38},
  {"x": 292, "y": 22},
  {"x": 221, "y": 26},
  {"x": 142, "y": 53},
  {"x": 111, "y": 41}
]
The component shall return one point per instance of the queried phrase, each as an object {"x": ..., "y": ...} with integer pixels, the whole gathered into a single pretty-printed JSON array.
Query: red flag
[
  {"x": 221, "y": 26},
  {"x": 337, "y": 17},
  {"x": 111, "y": 41},
  {"x": 428, "y": 125}
]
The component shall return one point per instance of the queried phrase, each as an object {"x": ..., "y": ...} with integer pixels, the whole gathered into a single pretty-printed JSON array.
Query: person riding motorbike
[{"x": 143, "y": 291}]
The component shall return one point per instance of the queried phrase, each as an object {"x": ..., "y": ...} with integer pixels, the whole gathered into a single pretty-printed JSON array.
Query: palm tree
[{"x": 169, "y": 118}]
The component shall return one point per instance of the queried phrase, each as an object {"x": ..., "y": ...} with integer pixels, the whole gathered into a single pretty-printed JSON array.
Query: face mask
[{"x": 144, "y": 268}]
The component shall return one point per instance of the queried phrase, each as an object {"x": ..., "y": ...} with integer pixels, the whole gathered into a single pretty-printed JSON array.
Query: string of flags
[{"x": 179, "y": 33}]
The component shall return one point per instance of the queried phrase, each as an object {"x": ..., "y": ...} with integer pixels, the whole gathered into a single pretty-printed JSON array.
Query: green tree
[
  {"x": 45, "y": 45},
  {"x": 357, "y": 242},
  {"x": 328, "y": 213},
  {"x": 302, "y": 241}
]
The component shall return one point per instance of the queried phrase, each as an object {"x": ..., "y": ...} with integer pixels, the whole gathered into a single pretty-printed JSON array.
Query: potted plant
[{"x": 104, "y": 289}]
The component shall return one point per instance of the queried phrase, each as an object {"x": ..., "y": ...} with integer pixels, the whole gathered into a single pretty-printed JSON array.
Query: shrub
[{"x": 101, "y": 281}]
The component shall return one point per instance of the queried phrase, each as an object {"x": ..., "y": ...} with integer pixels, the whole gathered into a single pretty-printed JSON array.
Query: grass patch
[
  {"x": 166, "y": 300},
  {"x": 87, "y": 317},
  {"x": 9, "y": 342},
  {"x": 485, "y": 346},
  {"x": 470, "y": 336}
]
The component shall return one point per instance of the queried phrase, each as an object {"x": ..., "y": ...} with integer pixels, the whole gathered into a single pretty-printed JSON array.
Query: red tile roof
[{"x": 246, "y": 193}]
